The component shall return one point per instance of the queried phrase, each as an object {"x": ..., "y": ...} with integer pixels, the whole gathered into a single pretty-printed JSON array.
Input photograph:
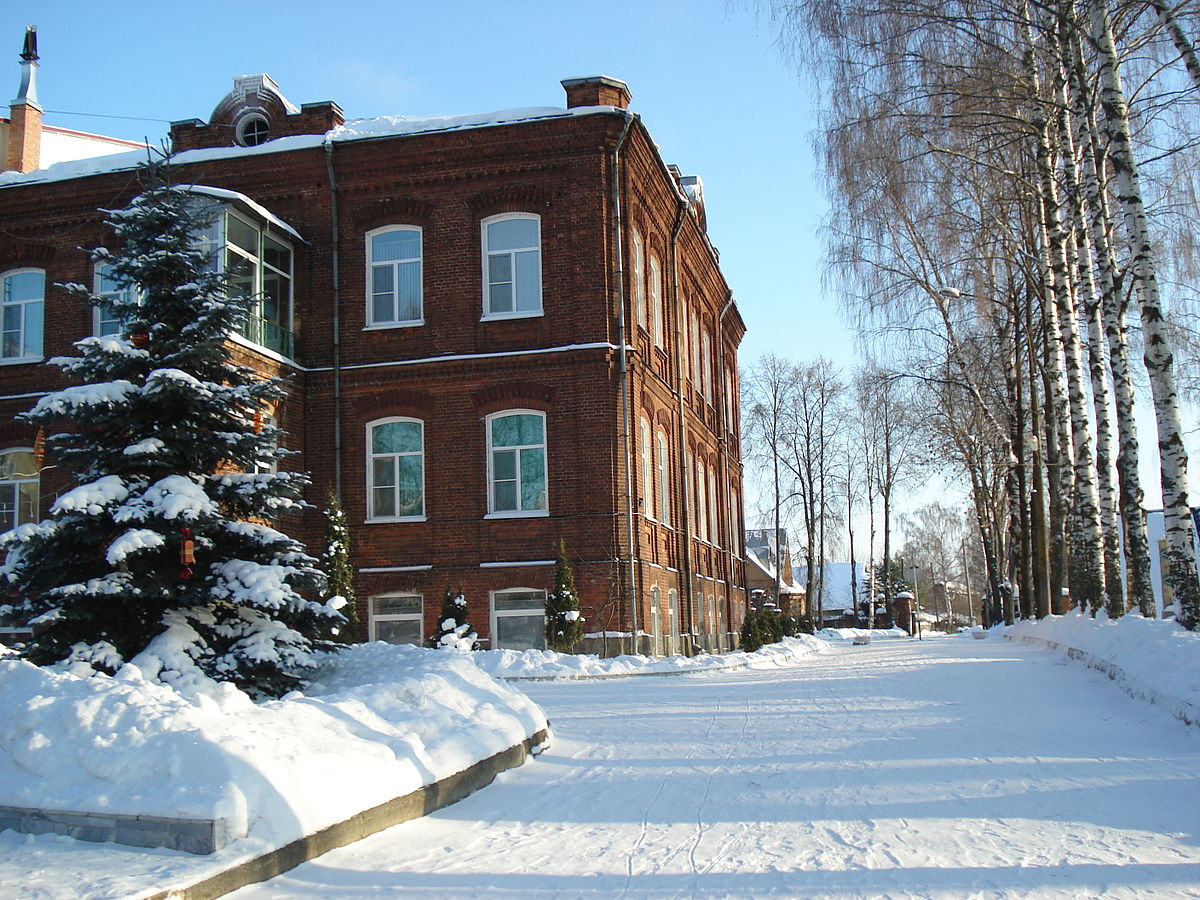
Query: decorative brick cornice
[
  {"x": 15, "y": 253},
  {"x": 392, "y": 211},
  {"x": 510, "y": 198},
  {"x": 513, "y": 394}
]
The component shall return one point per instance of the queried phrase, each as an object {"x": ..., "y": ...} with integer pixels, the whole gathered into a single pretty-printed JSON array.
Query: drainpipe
[
  {"x": 623, "y": 370},
  {"x": 723, "y": 441},
  {"x": 681, "y": 207},
  {"x": 334, "y": 261}
]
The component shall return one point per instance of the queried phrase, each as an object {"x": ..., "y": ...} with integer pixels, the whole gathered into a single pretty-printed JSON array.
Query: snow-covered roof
[
  {"x": 355, "y": 130},
  {"x": 237, "y": 197}
]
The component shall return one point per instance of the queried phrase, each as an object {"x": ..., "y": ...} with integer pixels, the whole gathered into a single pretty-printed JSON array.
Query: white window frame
[
  {"x": 12, "y": 487},
  {"x": 488, "y": 254},
  {"x": 129, "y": 293},
  {"x": 31, "y": 347},
  {"x": 647, "y": 469},
  {"x": 656, "y": 301},
  {"x": 656, "y": 629},
  {"x": 639, "y": 279},
  {"x": 395, "y": 266},
  {"x": 706, "y": 362},
  {"x": 695, "y": 342},
  {"x": 702, "y": 499},
  {"x": 373, "y": 617},
  {"x": 714, "y": 517},
  {"x": 672, "y": 622},
  {"x": 372, "y": 517},
  {"x": 493, "y": 512},
  {"x": 497, "y": 614},
  {"x": 268, "y": 420},
  {"x": 664, "y": 482},
  {"x": 218, "y": 239}
]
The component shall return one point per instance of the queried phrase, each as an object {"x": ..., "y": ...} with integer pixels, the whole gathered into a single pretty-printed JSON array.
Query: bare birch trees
[{"x": 992, "y": 228}]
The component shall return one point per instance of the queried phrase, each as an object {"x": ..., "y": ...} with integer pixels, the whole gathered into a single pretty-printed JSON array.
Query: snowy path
[{"x": 947, "y": 768}]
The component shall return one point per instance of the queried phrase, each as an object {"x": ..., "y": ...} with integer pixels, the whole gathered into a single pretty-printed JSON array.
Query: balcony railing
[{"x": 269, "y": 334}]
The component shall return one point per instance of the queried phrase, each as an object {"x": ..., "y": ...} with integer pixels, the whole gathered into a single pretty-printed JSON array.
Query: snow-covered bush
[
  {"x": 564, "y": 622},
  {"x": 454, "y": 632}
]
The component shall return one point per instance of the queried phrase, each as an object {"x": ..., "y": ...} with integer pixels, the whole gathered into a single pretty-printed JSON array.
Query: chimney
[
  {"x": 598, "y": 90},
  {"x": 25, "y": 113}
]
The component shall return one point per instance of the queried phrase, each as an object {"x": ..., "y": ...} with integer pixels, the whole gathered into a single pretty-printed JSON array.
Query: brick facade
[{"x": 458, "y": 366}]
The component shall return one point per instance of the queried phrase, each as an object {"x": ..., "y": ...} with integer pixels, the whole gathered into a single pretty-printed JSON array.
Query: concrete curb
[
  {"x": 420, "y": 802},
  {"x": 1184, "y": 710}
]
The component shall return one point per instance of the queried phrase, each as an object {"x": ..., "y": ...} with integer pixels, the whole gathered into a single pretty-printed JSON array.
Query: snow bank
[
  {"x": 546, "y": 664},
  {"x": 849, "y": 634},
  {"x": 378, "y": 721},
  {"x": 1155, "y": 659}
]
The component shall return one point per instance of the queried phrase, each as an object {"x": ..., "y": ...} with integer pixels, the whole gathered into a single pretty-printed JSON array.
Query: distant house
[
  {"x": 1156, "y": 532},
  {"x": 763, "y": 556}
]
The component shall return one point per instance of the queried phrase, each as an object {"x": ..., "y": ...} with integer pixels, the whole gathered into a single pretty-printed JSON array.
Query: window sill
[
  {"x": 519, "y": 514},
  {"x": 21, "y": 360},
  {"x": 392, "y": 326},
  {"x": 503, "y": 317},
  {"x": 394, "y": 520}
]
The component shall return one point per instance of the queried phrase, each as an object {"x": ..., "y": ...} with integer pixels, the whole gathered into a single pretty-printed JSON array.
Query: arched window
[
  {"x": 656, "y": 630},
  {"x": 639, "y": 279},
  {"x": 18, "y": 488},
  {"x": 22, "y": 305},
  {"x": 512, "y": 266},
  {"x": 395, "y": 470},
  {"x": 664, "y": 482},
  {"x": 647, "y": 455},
  {"x": 672, "y": 621},
  {"x": 656, "y": 301},
  {"x": 713, "y": 515},
  {"x": 517, "y": 463},
  {"x": 394, "y": 277}
]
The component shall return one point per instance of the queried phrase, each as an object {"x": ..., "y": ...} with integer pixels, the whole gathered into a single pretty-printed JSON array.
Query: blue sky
[{"x": 716, "y": 94}]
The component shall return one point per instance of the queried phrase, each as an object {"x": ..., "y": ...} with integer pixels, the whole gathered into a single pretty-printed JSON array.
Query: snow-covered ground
[{"x": 951, "y": 767}]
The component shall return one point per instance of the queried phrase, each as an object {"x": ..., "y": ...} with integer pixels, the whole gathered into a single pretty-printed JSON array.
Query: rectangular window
[
  {"x": 394, "y": 277},
  {"x": 519, "y": 619},
  {"x": 517, "y": 463},
  {"x": 21, "y": 311},
  {"x": 396, "y": 469},
  {"x": 512, "y": 249},
  {"x": 397, "y": 618},
  {"x": 706, "y": 362}
]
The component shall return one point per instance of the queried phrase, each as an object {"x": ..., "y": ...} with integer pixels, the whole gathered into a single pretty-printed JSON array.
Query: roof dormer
[{"x": 252, "y": 114}]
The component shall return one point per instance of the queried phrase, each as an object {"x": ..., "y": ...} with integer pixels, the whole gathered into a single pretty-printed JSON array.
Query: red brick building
[{"x": 499, "y": 331}]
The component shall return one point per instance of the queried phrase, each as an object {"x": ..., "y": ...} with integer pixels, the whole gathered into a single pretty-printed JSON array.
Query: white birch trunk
[
  {"x": 1159, "y": 359},
  {"x": 1136, "y": 543}
]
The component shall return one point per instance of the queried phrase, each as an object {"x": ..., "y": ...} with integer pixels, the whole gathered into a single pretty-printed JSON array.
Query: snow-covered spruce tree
[
  {"x": 164, "y": 537},
  {"x": 454, "y": 632},
  {"x": 339, "y": 574},
  {"x": 564, "y": 624}
]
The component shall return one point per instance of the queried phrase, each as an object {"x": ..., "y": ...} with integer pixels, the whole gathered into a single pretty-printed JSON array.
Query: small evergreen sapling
[
  {"x": 162, "y": 547},
  {"x": 454, "y": 632},
  {"x": 564, "y": 623},
  {"x": 339, "y": 573}
]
